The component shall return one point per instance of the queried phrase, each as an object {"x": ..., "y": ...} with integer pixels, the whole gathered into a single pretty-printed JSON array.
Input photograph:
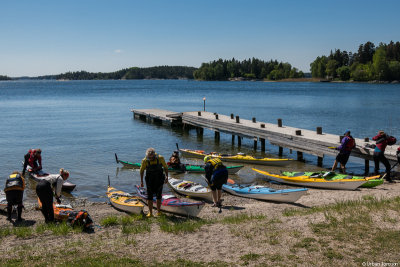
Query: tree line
[
  {"x": 369, "y": 63},
  {"x": 219, "y": 70},
  {"x": 4, "y": 78},
  {"x": 159, "y": 72}
]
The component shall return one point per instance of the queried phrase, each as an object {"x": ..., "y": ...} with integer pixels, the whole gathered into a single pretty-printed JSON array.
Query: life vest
[
  {"x": 215, "y": 162},
  {"x": 154, "y": 171},
  {"x": 15, "y": 182},
  {"x": 351, "y": 143}
]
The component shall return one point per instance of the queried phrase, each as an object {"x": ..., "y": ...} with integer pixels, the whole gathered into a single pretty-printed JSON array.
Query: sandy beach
[{"x": 243, "y": 232}]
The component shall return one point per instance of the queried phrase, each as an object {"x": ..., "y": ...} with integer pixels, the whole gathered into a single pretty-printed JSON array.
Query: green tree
[
  {"x": 343, "y": 73},
  {"x": 331, "y": 66},
  {"x": 394, "y": 70},
  {"x": 362, "y": 72},
  {"x": 379, "y": 65}
]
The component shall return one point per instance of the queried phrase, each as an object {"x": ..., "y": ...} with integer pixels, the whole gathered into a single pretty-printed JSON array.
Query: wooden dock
[{"x": 303, "y": 141}]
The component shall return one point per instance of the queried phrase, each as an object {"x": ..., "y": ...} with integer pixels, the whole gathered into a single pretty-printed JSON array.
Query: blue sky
[{"x": 52, "y": 37}]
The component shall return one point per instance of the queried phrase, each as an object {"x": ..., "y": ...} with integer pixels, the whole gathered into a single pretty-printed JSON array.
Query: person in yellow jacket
[
  {"x": 153, "y": 164},
  {"x": 14, "y": 189}
]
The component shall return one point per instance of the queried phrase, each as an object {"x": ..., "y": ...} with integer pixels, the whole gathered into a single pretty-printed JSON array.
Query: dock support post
[
  {"x": 239, "y": 141},
  {"x": 366, "y": 169},
  {"x": 280, "y": 151},
  {"x": 262, "y": 140},
  {"x": 255, "y": 143},
  {"x": 233, "y": 139},
  {"x": 216, "y": 136},
  {"x": 320, "y": 161},
  {"x": 299, "y": 156},
  {"x": 199, "y": 131}
]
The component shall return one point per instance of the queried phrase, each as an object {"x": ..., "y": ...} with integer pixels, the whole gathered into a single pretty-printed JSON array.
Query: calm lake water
[{"x": 79, "y": 125}]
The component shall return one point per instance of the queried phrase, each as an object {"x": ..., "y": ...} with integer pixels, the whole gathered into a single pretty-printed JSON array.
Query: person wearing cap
[
  {"x": 33, "y": 159},
  {"x": 14, "y": 189},
  {"x": 381, "y": 140},
  {"x": 44, "y": 191},
  {"x": 346, "y": 145},
  {"x": 175, "y": 162},
  {"x": 153, "y": 164},
  {"x": 216, "y": 175}
]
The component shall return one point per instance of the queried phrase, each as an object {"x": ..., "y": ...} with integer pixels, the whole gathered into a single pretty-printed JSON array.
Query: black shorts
[
  {"x": 154, "y": 188},
  {"x": 219, "y": 177},
  {"x": 342, "y": 158},
  {"x": 14, "y": 197}
]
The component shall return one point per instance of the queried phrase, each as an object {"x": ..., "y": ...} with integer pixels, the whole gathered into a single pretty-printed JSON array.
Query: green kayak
[
  {"x": 372, "y": 182},
  {"x": 188, "y": 167}
]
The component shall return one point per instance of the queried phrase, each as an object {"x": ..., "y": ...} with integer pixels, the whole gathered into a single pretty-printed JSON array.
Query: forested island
[
  {"x": 160, "y": 72},
  {"x": 4, "y": 78},
  {"x": 250, "y": 69},
  {"x": 370, "y": 63}
]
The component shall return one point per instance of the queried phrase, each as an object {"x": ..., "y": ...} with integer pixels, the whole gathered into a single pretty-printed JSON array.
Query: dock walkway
[{"x": 301, "y": 140}]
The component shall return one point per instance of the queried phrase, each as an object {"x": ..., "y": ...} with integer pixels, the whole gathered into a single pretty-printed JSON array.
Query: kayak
[
  {"x": 238, "y": 158},
  {"x": 262, "y": 192},
  {"x": 372, "y": 182},
  {"x": 316, "y": 182},
  {"x": 190, "y": 189},
  {"x": 124, "y": 201},
  {"x": 67, "y": 186},
  {"x": 3, "y": 200},
  {"x": 172, "y": 204},
  {"x": 188, "y": 167}
]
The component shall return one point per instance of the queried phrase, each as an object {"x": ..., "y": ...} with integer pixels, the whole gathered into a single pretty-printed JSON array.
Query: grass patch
[
  {"x": 250, "y": 257},
  {"x": 22, "y": 232},
  {"x": 136, "y": 228},
  {"x": 58, "y": 229},
  {"x": 240, "y": 218},
  {"x": 332, "y": 254},
  {"x": 177, "y": 225},
  {"x": 5, "y": 231},
  {"x": 369, "y": 203},
  {"x": 109, "y": 221},
  {"x": 306, "y": 243}
]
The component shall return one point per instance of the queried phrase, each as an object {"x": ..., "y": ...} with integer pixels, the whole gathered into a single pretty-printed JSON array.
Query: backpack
[
  {"x": 80, "y": 218},
  {"x": 391, "y": 140}
]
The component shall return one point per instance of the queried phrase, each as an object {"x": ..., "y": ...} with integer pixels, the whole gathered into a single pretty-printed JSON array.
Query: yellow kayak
[
  {"x": 239, "y": 158},
  {"x": 124, "y": 201},
  {"x": 317, "y": 182}
]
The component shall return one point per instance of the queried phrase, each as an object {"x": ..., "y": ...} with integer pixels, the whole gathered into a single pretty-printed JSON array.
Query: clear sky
[{"x": 52, "y": 37}]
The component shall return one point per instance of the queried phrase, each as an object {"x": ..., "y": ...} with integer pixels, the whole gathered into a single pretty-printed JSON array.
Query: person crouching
[
  {"x": 44, "y": 191},
  {"x": 14, "y": 189}
]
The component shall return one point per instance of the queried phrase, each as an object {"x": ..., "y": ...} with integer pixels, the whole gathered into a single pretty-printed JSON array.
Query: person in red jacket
[
  {"x": 34, "y": 159},
  {"x": 379, "y": 154}
]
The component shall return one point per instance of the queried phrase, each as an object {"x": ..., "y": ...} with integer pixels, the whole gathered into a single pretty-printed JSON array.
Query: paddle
[
  {"x": 177, "y": 147},
  {"x": 390, "y": 170},
  {"x": 116, "y": 158}
]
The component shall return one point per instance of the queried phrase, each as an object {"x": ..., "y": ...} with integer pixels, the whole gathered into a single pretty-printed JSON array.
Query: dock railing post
[
  {"x": 319, "y": 130},
  {"x": 279, "y": 122},
  {"x": 237, "y": 119}
]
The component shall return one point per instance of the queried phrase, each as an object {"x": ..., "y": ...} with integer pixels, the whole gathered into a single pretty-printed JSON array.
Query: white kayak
[
  {"x": 189, "y": 188},
  {"x": 3, "y": 200}
]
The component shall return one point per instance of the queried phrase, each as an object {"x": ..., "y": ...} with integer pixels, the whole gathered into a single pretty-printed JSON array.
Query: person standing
[
  {"x": 153, "y": 164},
  {"x": 33, "y": 159},
  {"x": 216, "y": 175},
  {"x": 347, "y": 144},
  {"x": 381, "y": 140},
  {"x": 14, "y": 189},
  {"x": 44, "y": 191}
]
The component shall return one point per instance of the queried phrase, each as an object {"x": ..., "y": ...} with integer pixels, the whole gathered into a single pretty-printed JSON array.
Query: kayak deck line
[{"x": 306, "y": 141}]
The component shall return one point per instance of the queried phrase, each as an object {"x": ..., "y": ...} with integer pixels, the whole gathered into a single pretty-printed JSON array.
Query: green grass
[
  {"x": 177, "y": 225},
  {"x": 136, "y": 228},
  {"x": 250, "y": 257},
  {"x": 59, "y": 229},
  {"x": 109, "y": 221},
  {"x": 20, "y": 232}
]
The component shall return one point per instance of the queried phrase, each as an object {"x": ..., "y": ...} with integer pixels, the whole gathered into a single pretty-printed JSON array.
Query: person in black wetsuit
[
  {"x": 153, "y": 164},
  {"x": 14, "y": 189}
]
